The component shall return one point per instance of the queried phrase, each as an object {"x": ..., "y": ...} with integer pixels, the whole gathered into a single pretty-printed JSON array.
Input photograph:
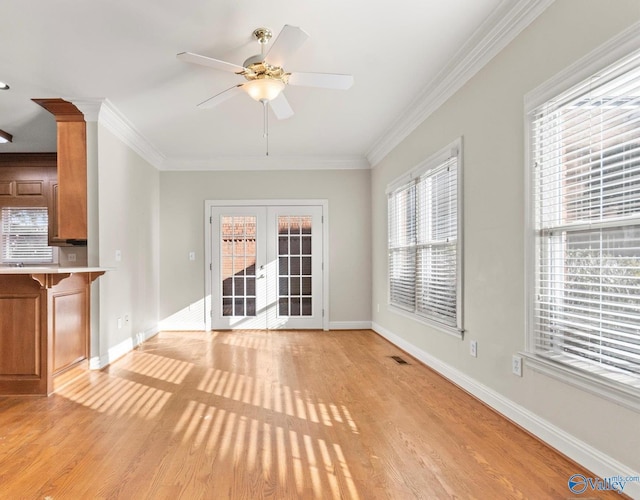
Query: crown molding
[
  {"x": 90, "y": 108},
  {"x": 268, "y": 163},
  {"x": 505, "y": 23},
  {"x": 114, "y": 121}
]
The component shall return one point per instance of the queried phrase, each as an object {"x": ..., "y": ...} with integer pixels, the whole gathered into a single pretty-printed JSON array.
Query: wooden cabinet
[
  {"x": 71, "y": 191},
  {"x": 44, "y": 329},
  {"x": 31, "y": 180},
  {"x": 26, "y": 179}
]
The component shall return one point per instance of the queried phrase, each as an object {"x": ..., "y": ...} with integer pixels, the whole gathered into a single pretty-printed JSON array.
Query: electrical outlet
[
  {"x": 516, "y": 365},
  {"x": 71, "y": 257},
  {"x": 118, "y": 255},
  {"x": 473, "y": 348}
]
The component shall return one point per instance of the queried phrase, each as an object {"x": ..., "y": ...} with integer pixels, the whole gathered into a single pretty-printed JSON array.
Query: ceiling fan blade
[
  {"x": 323, "y": 80},
  {"x": 289, "y": 40},
  {"x": 280, "y": 107},
  {"x": 210, "y": 62},
  {"x": 221, "y": 97}
]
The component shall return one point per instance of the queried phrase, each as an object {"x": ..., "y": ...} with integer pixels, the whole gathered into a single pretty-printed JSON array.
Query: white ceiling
[{"x": 125, "y": 51}]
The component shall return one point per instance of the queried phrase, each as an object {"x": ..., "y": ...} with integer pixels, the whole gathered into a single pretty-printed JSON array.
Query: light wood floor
[{"x": 254, "y": 415}]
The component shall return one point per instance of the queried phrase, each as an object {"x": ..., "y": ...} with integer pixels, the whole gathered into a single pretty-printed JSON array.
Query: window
[
  {"x": 24, "y": 236},
  {"x": 585, "y": 162},
  {"x": 424, "y": 244}
]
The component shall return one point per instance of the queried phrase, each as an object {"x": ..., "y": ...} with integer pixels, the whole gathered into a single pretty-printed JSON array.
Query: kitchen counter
[
  {"x": 44, "y": 326},
  {"x": 49, "y": 270}
]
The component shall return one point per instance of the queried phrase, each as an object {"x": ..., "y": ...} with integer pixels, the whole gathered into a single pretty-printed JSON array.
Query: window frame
[
  {"x": 432, "y": 165},
  {"x": 587, "y": 379}
]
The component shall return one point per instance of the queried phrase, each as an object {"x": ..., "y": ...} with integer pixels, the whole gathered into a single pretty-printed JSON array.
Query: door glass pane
[
  {"x": 283, "y": 306},
  {"x": 306, "y": 245},
  {"x": 295, "y": 285},
  {"x": 306, "y": 306},
  {"x": 238, "y": 243},
  {"x": 294, "y": 271},
  {"x": 306, "y": 285},
  {"x": 295, "y": 245},
  {"x": 295, "y": 266}
]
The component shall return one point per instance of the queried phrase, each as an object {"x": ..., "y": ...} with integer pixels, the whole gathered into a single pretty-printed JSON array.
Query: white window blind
[
  {"x": 424, "y": 270},
  {"x": 586, "y": 152},
  {"x": 24, "y": 235},
  {"x": 437, "y": 229},
  {"x": 402, "y": 247}
]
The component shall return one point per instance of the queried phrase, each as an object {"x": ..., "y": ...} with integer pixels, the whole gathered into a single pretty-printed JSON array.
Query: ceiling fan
[{"x": 266, "y": 78}]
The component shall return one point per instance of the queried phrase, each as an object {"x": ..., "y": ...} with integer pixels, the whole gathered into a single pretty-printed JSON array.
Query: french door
[{"x": 266, "y": 270}]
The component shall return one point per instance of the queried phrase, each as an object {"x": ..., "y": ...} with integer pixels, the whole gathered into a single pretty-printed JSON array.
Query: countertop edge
[{"x": 51, "y": 270}]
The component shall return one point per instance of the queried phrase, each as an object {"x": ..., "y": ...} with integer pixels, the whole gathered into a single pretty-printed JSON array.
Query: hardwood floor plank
[{"x": 276, "y": 414}]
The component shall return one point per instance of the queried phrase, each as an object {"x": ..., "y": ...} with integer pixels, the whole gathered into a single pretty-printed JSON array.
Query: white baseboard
[
  {"x": 349, "y": 325},
  {"x": 119, "y": 350},
  {"x": 586, "y": 455}
]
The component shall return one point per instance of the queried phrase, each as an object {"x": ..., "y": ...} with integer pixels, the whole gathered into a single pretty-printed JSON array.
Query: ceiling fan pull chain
[{"x": 265, "y": 134}]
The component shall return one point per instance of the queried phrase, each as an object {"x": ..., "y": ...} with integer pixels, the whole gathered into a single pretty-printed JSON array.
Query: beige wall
[
  {"x": 128, "y": 221},
  {"x": 488, "y": 113},
  {"x": 183, "y": 194}
]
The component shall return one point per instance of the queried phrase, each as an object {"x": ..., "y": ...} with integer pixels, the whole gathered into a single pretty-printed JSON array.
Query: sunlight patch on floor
[
  {"x": 117, "y": 396},
  {"x": 282, "y": 454},
  {"x": 159, "y": 367}
]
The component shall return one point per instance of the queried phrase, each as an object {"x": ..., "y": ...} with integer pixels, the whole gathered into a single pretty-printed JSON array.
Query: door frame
[{"x": 208, "y": 260}]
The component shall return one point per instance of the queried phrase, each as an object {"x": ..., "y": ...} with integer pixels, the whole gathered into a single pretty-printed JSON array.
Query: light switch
[{"x": 192, "y": 256}]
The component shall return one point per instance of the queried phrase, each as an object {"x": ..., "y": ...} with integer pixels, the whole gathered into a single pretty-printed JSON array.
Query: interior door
[{"x": 267, "y": 267}]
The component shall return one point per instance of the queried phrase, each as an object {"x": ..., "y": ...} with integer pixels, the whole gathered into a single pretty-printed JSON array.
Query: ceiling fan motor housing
[{"x": 257, "y": 69}]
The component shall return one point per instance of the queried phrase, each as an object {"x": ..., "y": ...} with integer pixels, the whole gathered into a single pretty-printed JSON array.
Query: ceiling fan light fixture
[{"x": 263, "y": 89}]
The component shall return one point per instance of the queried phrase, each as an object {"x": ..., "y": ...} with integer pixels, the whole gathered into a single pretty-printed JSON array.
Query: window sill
[
  {"x": 454, "y": 332},
  {"x": 617, "y": 392}
]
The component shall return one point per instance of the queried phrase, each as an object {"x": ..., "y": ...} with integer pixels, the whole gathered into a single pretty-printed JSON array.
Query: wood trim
[
  {"x": 49, "y": 280},
  {"x": 94, "y": 275},
  {"x": 64, "y": 111},
  {"x": 28, "y": 159}
]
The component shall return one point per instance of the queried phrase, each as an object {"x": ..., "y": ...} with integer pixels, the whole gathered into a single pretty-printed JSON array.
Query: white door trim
[{"x": 208, "y": 260}]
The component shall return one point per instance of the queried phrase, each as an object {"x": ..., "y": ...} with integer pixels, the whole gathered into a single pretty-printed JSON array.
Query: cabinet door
[{"x": 72, "y": 180}]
